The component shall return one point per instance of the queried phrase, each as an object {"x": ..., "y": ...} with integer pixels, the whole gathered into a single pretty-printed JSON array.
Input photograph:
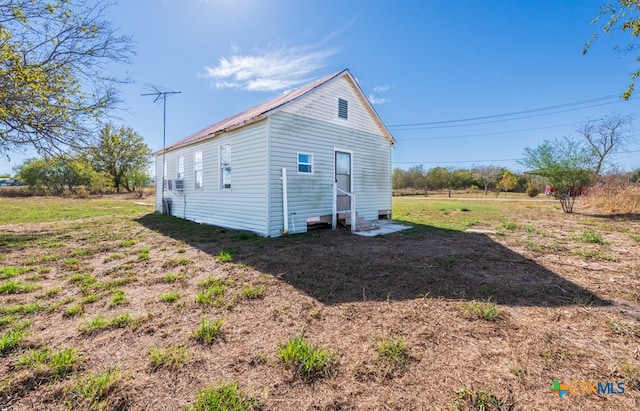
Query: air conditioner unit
[{"x": 178, "y": 185}]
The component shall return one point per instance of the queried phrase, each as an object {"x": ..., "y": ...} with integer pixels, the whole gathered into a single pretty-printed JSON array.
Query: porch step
[{"x": 361, "y": 225}]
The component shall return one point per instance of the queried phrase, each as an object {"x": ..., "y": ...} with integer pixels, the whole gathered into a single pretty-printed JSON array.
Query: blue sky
[{"x": 431, "y": 63}]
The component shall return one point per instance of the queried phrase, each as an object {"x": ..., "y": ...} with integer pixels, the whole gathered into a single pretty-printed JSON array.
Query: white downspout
[
  {"x": 334, "y": 211},
  {"x": 285, "y": 205}
]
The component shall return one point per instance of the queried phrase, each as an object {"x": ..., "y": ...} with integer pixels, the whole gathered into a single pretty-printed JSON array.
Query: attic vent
[{"x": 343, "y": 106}]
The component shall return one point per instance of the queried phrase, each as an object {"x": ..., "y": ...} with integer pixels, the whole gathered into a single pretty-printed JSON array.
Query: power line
[
  {"x": 484, "y": 134},
  {"x": 457, "y": 161},
  {"x": 443, "y": 124}
]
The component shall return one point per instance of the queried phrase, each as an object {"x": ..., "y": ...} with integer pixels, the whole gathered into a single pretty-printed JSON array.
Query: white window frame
[
  {"x": 198, "y": 183},
  {"x": 225, "y": 179},
  {"x": 180, "y": 173},
  {"x": 302, "y": 163},
  {"x": 164, "y": 173}
]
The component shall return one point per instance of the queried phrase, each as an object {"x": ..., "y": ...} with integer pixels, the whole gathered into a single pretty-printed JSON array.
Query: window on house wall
[
  {"x": 197, "y": 169},
  {"x": 180, "y": 174},
  {"x": 164, "y": 172},
  {"x": 343, "y": 108},
  {"x": 305, "y": 163},
  {"x": 225, "y": 166}
]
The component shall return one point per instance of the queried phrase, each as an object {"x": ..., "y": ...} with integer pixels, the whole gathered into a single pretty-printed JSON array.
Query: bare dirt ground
[{"x": 567, "y": 305}]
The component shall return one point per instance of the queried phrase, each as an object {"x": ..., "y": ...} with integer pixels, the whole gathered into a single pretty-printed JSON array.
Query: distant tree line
[
  {"x": 485, "y": 178},
  {"x": 119, "y": 160}
]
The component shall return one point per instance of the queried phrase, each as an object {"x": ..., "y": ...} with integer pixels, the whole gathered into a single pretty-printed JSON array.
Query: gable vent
[{"x": 343, "y": 108}]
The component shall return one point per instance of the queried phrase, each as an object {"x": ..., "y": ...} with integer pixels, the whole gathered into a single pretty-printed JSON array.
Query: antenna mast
[{"x": 160, "y": 93}]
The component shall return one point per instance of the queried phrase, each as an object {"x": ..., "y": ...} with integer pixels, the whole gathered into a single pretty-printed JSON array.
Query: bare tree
[
  {"x": 56, "y": 65},
  {"x": 489, "y": 175},
  {"x": 605, "y": 137}
]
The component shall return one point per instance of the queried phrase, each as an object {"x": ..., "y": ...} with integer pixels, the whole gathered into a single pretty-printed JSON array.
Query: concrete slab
[{"x": 384, "y": 227}]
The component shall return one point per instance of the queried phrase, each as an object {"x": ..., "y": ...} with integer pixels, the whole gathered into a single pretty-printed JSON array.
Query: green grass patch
[
  {"x": 54, "y": 365},
  {"x": 171, "y": 297},
  {"x": 308, "y": 361},
  {"x": 590, "y": 237},
  {"x": 485, "y": 310},
  {"x": 172, "y": 278},
  {"x": 18, "y": 210},
  {"x": 114, "y": 256},
  {"x": 631, "y": 375},
  {"x": 24, "y": 309},
  {"x": 176, "y": 261},
  {"x": 118, "y": 298},
  {"x": 595, "y": 254},
  {"x": 73, "y": 310},
  {"x": 212, "y": 291},
  {"x": 209, "y": 331},
  {"x": 468, "y": 399},
  {"x": 88, "y": 299},
  {"x": 128, "y": 243},
  {"x": 143, "y": 254},
  {"x": 252, "y": 293},
  {"x": 95, "y": 389},
  {"x": 100, "y": 323},
  {"x": 392, "y": 350},
  {"x": 225, "y": 256},
  {"x": 170, "y": 357},
  {"x": 17, "y": 286},
  {"x": 223, "y": 397},
  {"x": 11, "y": 340},
  {"x": 10, "y": 271}
]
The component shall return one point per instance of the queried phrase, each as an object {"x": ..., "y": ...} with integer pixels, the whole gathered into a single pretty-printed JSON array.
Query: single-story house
[{"x": 318, "y": 154}]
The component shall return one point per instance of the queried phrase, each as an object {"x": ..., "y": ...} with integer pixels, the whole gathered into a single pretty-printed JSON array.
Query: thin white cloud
[
  {"x": 382, "y": 89},
  {"x": 270, "y": 70},
  {"x": 377, "y": 100}
]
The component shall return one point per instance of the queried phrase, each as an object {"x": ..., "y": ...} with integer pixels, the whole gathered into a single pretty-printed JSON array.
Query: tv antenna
[{"x": 160, "y": 93}]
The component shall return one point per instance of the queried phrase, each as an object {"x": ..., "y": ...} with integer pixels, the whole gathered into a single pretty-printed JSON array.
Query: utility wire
[{"x": 448, "y": 123}]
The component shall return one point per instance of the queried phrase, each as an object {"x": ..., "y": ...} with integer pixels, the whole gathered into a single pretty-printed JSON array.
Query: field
[{"x": 481, "y": 305}]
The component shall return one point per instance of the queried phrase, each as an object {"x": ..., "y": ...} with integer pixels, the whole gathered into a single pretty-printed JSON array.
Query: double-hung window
[
  {"x": 197, "y": 169},
  {"x": 305, "y": 163},
  {"x": 180, "y": 175},
  {"x": 225, "y": 166}
]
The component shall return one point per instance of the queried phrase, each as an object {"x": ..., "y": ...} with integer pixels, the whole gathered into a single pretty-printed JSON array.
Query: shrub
[{"x": 532, "y": 190}]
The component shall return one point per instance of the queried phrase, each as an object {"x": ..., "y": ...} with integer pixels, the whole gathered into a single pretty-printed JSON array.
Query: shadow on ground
[{"x": 337, "y": 267}]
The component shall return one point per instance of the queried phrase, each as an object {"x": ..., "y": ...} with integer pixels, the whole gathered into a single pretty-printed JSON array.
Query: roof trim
[{"x": 263, "y": 110}]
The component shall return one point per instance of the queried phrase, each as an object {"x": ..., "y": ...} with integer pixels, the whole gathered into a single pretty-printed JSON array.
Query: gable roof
[{"x": 263, "y": 110}]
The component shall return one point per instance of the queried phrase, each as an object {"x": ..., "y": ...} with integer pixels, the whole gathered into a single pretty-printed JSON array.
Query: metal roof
[{"x": 261, "y": 111}]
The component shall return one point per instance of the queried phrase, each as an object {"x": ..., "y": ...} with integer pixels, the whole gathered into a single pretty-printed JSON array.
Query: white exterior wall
[
  {"x": 243, "y": 206},
  {"x": 312, "y": 126}
]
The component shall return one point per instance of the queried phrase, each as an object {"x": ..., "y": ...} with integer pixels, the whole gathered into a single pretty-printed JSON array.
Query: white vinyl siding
[
  {"x": 244, "y": 207},
  {"x": 312, "y": 195}
]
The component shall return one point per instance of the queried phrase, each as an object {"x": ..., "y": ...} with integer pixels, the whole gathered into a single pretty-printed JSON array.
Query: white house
[{"x": 318, "y": 154}]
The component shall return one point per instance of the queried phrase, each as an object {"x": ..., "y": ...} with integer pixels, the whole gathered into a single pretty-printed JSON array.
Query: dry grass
[
  {"x": 429, "y": 318},
  {"x": 619, "y": 198}
]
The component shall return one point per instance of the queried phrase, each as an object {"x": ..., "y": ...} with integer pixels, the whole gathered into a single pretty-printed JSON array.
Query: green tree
[
  {"x": 55, "y": 175},
  {"x": 54, "y": 80},
  {"x": 399, "y": 179},
  {"x": 634, "y": 177},
  {"x": 566, "y": 164},
  {"x": 508, "y": 182},
  {"x": 122, "y": 154},
  {"x": 621, "y": 15}
]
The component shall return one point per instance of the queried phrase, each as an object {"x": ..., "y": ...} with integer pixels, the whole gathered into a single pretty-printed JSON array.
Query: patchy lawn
[{"x": 105, "y": 305}]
